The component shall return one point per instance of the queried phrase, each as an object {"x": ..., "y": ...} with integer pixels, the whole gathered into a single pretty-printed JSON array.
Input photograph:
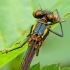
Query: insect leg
[
  {"x": 30, "y": 31},
  {"x": 61, "y": 35},
  {"x": 37, "y": 52},
  {"x": 15, "y": 48},
  {"x": 59, "y": 21}
]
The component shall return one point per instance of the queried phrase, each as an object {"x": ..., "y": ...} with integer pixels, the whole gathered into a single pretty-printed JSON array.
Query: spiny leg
[
  {"x": 37, "y": 52},
  {"x": 59, "y": 21},
  {"x": 6, "y": 51},
  {"x": 30, "y": 31},
  {"x": 61, "y": 35}
]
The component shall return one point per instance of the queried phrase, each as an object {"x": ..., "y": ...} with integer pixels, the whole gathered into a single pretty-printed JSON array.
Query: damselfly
[{"x": 38, "y": 34}]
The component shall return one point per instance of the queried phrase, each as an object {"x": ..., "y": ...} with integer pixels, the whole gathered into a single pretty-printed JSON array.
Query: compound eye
[
  {"x": 34, "y": 12},
  {"x": 49, "y": 16},
  {"x": 55, "y": 18},
  {"x": 38, "y": 14}
]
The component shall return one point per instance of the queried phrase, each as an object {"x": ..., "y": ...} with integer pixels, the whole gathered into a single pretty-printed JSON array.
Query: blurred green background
[{"x": 15, "y": 22}]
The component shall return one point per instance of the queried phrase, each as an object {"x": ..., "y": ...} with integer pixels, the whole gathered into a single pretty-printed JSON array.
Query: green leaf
[
  {"x": 35, "y": 67},
  {"x": 66, "y": 68},
  {"x": 51, "y": 67}
]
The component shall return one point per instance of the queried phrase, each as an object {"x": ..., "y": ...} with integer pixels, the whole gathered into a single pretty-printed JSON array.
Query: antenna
[{"x": 40, "y": 6}]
